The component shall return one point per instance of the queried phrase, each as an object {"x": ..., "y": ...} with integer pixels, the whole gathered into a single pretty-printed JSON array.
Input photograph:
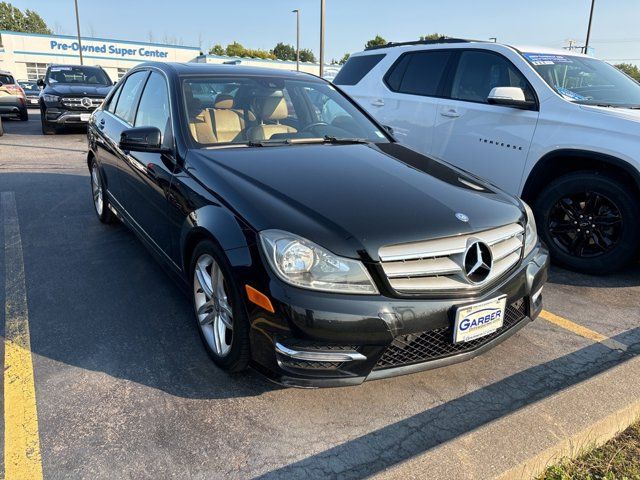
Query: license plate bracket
[{"x": 479, "y": 319}]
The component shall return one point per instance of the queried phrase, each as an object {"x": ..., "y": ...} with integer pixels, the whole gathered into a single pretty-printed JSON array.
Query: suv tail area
[
  {"x": 12, "y": 97},
  {"x": 536, "y": 122}
]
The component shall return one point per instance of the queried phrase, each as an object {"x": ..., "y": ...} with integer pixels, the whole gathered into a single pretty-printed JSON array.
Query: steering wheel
[{"x": 315, "y": 124}]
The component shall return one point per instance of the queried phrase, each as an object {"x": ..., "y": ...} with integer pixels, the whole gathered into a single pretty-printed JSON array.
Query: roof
[{"x": 188, "y": 68}]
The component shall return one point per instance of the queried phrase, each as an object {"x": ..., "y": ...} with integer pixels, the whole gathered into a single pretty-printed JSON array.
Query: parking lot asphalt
[{"x": 124, "y": 389}]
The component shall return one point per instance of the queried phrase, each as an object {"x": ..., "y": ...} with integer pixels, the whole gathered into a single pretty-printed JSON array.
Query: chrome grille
[
  {"x": 76, "y": 103},
  {"x": 438, "y": 265}
]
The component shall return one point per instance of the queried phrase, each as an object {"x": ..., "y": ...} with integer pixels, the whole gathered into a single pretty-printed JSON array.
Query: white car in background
[{"x": 559, "y": 129}]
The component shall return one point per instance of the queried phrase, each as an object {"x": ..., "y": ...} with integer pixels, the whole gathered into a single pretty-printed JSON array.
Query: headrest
[
  {"x": 223, "y": 101},
  {"x": 274, "y": 108}
]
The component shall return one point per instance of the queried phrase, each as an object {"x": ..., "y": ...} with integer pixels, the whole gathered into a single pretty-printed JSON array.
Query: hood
[
  {"x": 88, "y": 90},
  {"x": 351, "y": 199},
  {"x": 617, "y": 112}
]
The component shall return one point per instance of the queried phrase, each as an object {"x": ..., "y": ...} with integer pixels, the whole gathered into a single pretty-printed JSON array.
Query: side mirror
[
  {"x": 40, "y": 82},
  {"x": 142, "y": 139},
  {"x": 509, "y": 97}
]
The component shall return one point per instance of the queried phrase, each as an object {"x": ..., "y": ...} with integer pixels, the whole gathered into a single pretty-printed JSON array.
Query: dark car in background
[
  {"x": 315, "y": 247},
  {"x": 12, "y": 97},
  {"x": 31, "y": 91},
  {"x": 69, "y": 94}
]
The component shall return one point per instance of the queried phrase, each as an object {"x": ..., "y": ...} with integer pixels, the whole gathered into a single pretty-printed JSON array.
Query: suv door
[
  {"x": 491, "y": 141},
  {"x": 110, "y": 122},
  {"x": 146, "y": 176},
  {"x": 410, "y": 96}
]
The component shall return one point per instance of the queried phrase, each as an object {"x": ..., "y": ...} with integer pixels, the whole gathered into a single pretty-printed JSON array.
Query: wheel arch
[
  {"x": 560, "y": 162},
  {"x": 218, "y": 225}
]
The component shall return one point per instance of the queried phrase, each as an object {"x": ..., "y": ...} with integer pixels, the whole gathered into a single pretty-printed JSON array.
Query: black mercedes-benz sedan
[{"x": 315, "y": 248}]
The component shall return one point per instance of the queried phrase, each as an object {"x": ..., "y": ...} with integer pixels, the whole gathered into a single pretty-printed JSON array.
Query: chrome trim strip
[
  {"x": 318, "y": 356},
  {"x": 446, "y": 246}
]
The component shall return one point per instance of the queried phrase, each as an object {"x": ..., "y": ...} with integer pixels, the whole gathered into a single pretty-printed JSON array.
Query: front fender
[{"x": 220, "y": 225}]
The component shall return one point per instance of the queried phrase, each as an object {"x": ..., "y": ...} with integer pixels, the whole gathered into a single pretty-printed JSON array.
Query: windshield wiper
[
  {"x": 332, "y": 139},
  {"x": 302, "y": 141}
]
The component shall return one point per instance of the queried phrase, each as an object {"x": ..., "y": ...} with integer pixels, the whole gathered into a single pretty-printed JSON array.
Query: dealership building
[{"x": 27, "y": 55}]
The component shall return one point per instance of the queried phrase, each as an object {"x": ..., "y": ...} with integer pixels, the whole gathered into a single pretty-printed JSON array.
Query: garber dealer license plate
[{"x": 478, "y": 320}]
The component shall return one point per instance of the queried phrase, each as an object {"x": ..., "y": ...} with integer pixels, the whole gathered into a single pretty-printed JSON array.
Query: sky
[{"x": 350, "y": 23}]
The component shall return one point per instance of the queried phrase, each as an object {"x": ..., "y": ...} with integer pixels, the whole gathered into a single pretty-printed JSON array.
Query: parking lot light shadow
[{"x": 400, "y": 441}]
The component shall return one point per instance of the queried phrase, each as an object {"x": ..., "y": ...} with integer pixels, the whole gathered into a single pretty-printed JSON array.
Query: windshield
[
  {"x": 29, "y": 87},
  {"x": 255, "y": 110},
  {"x": 77, "y": 75},
  {"x": 586, "y": 80}
]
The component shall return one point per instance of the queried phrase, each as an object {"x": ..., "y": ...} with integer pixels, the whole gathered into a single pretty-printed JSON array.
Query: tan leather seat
[
  {"x": 270, "y": 111},
  {"x": 199, "y": 119},
  {"x": 228, "y": 123}
]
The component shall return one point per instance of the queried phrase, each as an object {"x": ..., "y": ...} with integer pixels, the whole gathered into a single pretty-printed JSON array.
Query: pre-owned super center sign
[{"x": 111, "y": 49}]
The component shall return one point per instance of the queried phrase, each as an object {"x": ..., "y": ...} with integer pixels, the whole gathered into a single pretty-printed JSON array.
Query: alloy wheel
[
  {"x": 211, "y": 301},
  {"x": 96, "y": 188},
  {"x": 586, "y": 224}
]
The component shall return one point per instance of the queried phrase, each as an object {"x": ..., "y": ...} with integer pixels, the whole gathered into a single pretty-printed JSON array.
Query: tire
[
  {"x": 229, "y": 299},
  {"x": 568, "y": 209},
  {"x": 47, "y": 128},
  {"x": 24, "y": 115},
  {"x": 99, "y": 197},
  {"x": 1, "y": 128}
]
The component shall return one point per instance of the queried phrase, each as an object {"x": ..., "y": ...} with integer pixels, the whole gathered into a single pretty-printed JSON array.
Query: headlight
[
  {"x": 530, "y": 232},
  {"x": 304, "y": 264},
  {"x": 50, "y": 98}
]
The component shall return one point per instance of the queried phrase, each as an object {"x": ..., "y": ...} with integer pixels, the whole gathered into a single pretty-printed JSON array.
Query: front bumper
[
  {"x": 67, "y": 117},
  {"x": 317, "y": 339}
]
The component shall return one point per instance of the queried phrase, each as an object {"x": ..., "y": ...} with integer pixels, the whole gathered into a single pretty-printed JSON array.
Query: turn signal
[{"x": 259, "y": 299}]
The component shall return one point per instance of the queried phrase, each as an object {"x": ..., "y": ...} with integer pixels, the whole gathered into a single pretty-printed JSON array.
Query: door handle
[
  {"x": 451, "y": 113},
  {"x": 378, "y": 102}
]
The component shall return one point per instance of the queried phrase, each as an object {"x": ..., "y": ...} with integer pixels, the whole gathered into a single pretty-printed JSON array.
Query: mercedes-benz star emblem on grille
[
  {"x": 477, "y": 262},
  {"x": 86, "y": 102},
  {"x": 462, "y": 217}
]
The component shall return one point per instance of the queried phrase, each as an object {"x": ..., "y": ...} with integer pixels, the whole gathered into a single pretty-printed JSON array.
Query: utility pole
[
  {"x": 297, "y": 12},
  {"x": 322, "y": 10},
  {"x": 586, "y": 44},
  {"x": 78, "y": 26}
]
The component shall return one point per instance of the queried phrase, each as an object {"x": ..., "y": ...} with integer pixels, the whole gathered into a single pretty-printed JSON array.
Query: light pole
[
  {"x": 586, "y": 44},
  {"x": 297, "y": 12},
  {"x": 78, "y": 26},
  {"x": 321, "y": 37}
]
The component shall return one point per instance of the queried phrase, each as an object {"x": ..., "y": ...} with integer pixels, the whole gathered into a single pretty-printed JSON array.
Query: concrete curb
[{"x": 523, "y": 444}]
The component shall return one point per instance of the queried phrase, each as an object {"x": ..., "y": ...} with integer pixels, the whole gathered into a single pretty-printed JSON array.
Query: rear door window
[
  {"x": 418, "y": 73},
  {"x": 356, "y": 68},
  {"x": 126, "y": 106},
  {"x": 6, "y": 79}
]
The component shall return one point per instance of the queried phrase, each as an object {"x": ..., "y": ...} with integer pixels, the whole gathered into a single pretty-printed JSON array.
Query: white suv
[{"x": 559, "y": 129}]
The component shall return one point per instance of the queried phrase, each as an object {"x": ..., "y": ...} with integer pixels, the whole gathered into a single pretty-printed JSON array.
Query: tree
[
  {"x": 344, "y": 59},
  {"x": 632, "y": 70},
  {"x": 307, "y": 55},
  {"x": 284, "y": 52},
  {"x": 235, "y": 49},
  {"x": 375, "y": 42},
  {"x": 432, "y": 36},
  {"x": 217, "y": 49},
  {"x": 12, "y": 18}
]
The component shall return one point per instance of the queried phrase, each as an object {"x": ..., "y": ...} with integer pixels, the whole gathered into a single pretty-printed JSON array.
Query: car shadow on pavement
[
  {"x": 99, "y": 301},
  {"x": 629, "y": 277},
  {"x": 403, "y": 440}
]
